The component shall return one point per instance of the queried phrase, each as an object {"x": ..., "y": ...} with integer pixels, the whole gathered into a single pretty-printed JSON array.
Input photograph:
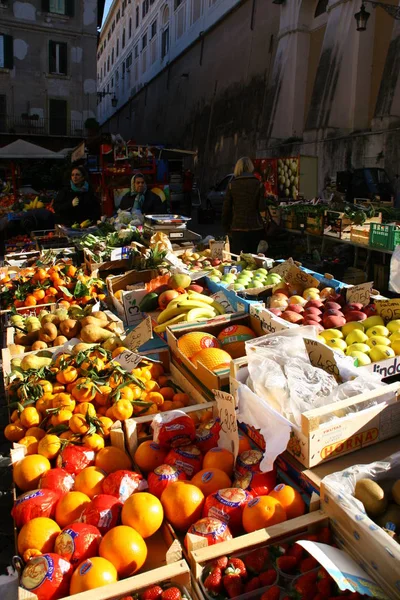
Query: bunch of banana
[
  {"x": 189, "y": 307},
  {"x": 36, "y": 203},
  {"x": 82, "y": 225}
]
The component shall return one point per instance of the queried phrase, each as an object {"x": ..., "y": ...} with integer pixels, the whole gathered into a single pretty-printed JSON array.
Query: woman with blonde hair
[{"x": 244, "y": 208}]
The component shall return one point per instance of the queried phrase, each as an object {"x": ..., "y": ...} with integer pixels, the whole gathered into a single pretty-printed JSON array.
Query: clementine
[
  {"x": 182, "y": 503},
  {"x": 211, "y": 480},
  {"x": 149, "y": 455},
  {"x": 290, "y": 499},
  {"x": 125, "y": 549},
  {"x": 261, "y": 512},
  {"x": 143, "y": 512},
  {"x": 219, "y": 458}
]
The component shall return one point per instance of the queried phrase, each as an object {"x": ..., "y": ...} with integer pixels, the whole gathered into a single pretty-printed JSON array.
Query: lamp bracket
[{"x": 393, "y": 11}]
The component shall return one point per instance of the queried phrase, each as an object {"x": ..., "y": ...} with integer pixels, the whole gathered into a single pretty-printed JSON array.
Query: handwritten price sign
[
  {"x": 283, "y": 268},
  {"x": 140, "y": 335},
  {"x": 388, "y": 309},
  {"x": 228, "y": 436},
  {"x": 217, "y": 249},
  {"x": 298, "y": 278},
  {"x": 128, "y": 360},
  {"x": 359, "y": 293}
]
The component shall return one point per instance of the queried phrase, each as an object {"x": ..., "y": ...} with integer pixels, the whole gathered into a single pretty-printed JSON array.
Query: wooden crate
[
  {"x": 359, "y": 234},
  {"x": 319, "y": 438}
]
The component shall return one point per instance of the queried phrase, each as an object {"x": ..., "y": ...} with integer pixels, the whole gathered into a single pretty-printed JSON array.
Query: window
[
  {"x": 196, "y": 10},
  {"x": 137, "y": 51},
  {"x": 137, "y": 17},
  {"x": 109, "y": 35},
  {"x": 108, "y": 87},
  {"x": 118, "y": 16},
  {"x": 58, "y": 58},
  {"x": 105, "y": 43},
  {"x": 129, "y": 60},
  {"x": 113, "y": 27},
  {"x": 154, "y": 29},
  {"x": 117, "y": 47},
  {"x": 112, "y": 82},
  {"x": 58, "y": 117},
  {"x": 112, "y": 56},
  {"x": 177, "y": 3},
  {"x": 180, "y": 19},
  {"x": 116, "y": 77},
  {"x": 130, "y": 27},
  {"x": 123, "y": 38},
  {"x": 59, "y": 7},
  {"x": 108, "y": 64},
  {"x": 165, "y": 42},
  {"x": 145, "y": 8},
  {"x": 123, "y": 70},
  {"x": 144, "y": 41},
  {"x": 6, "y": 52},
  {"x": 321, "y": 8}
]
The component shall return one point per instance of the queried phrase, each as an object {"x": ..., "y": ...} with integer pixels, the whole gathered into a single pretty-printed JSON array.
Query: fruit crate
[
  {"x": 384, "y": 236},
  {"x": 367, "y": 418},
  {"x": 49, "y": 238},
  {"x": 359, "y": 234}
]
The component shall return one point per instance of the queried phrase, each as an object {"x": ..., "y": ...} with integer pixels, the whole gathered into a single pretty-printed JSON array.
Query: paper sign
[
  {"x": 299, "y": 279},
  {"x": 228, "y": 436},
  {"x": 217, "y": 249},
  {"x": 140, "y": 335},
  {"x": 180, "y": 266},
  {"x": 222, "y": 299},
  {"x": 128, "y": 360},
  {"x": 283, "y": 268},
  {"x": 388, "y": 309},
  {"x": 344, "y": 570},
  {"x": 322, "y": 356},
  {"x": 120, "y": 253},
  {"x": 359, "y": 293}
]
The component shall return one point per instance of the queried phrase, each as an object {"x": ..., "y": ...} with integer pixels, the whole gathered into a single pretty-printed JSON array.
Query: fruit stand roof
[{"x": 22, "y": 149}]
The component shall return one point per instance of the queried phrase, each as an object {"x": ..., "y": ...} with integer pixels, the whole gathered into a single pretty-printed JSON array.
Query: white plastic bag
[{"x": 394, "y": 277}]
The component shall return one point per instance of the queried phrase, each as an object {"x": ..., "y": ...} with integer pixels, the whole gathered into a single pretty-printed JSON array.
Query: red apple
[
  {"x": 370, "y": 310},
  {"x": 332, "y": 312},
  {"x": 355, "y": 315},
  {"x": 312, "y": 310}
]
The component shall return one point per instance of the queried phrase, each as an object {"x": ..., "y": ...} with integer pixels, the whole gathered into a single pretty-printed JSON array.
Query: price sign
[
  {"x": 297, "y": 277},
  {"x": 388, "y": 309},
  {"x": 228, "y": 436},
  {"x": 140, "y": 335},
  {"x": 120, "y": 253},
  {"x": 283, "y": 268},
  {"x": 173, "y": 260},
  {"x": 222, "y": 299},
  {"x": 359, "y": 293},
  {"x": 128, "y": 360},
  {"x": 322, "y": 357},
  {"x": 217, "y": 249}
]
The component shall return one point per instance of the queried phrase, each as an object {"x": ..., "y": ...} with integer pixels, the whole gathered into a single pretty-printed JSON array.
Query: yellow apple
[
  {"x": 356, "y": 336},
  {"x": 381, "y": 353},
  {"x": 349, "y": 327}
]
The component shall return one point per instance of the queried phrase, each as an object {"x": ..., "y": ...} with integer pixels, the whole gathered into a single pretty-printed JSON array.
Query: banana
[
  {"x": 200, "y": 297},
  {"x": 218, "y": 307},
  {"x": 169, "y": 313},
  {"x": 198, "y": 314},
  {"x": 189, "y": 304},
  {"x": 178, "y": 319}
]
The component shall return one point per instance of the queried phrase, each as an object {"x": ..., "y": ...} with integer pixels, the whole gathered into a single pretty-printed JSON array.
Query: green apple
[
  {"x": 214, "y": 278},
  {"x": 272, "y": 279},
  {"x": 247, "y": 273},
  {"x": 255, "y": 283},
  {"x": 262, "y": 270}
]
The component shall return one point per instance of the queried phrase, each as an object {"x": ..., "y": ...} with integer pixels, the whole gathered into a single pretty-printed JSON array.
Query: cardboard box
[
  {"x": 128, "y": 308},
  {"x": 202, "y": 378},
  {"x": 320, "y": 437}
]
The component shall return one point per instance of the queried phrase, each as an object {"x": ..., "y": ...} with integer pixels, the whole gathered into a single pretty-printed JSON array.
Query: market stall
[{"x": 171, "y": 413}]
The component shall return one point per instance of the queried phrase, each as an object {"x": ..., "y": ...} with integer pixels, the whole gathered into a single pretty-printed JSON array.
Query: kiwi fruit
[
  {"x": 396, "y": 492},
  {"x": 391, "y": 515},
  {"x": 372, "y": 496}
]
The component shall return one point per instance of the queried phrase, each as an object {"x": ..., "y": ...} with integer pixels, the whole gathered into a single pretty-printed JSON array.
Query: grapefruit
[
  {"x": 233, "y": 338},
  {"x": 192, "y": 343},
  {"x": 212, "y": 358}
]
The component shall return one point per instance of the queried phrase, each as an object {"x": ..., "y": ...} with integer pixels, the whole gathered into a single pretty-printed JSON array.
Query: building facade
[
  {"x": 262, "y": 79},
  {"x": 47, "y": 68}
]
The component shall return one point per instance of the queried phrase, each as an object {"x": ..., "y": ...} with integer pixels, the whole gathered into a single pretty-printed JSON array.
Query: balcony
[{"x": 33, "y": 125}]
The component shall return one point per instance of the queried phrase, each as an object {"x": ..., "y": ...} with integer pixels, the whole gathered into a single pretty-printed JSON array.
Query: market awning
[{"x": 20, "y": 149}]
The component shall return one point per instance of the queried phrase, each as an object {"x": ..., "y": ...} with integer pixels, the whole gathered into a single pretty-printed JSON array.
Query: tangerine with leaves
[
  {"x": 49, "y": 446},
  {"x": 30, "y": 443},
  {"x": 30, "y": 417},
  {"x": 13, "y": 432},
  {"x": 94, "y": 441}
]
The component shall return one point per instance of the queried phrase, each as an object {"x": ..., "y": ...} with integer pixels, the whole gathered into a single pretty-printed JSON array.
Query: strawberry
[
  {"x": 308, "y": 564},
  {"x": 256, "y": 560},
  {"x": 268, "y": 577},
  {"x": 311, "y": 537},
  {"x": 221, "y": 562},
  {"x": 172, "y": 593},
  {"x": 252, "y": 585},
  {"x": 152, "y": 593},
  {"x": 274, "y": 593},
  {"x": 325, "y": 536},
  {"x": 213, "y": 581},
  {"x": 325, "y": 586},
  {"x": 236, "y": 566},
  {"x": 296, "y": 551},
  {"x": 306, "y": 586},
  {"x": 323, "y": 574},
  {"x": 233, "y": 585},
  {"x": 287, "y": 564}
]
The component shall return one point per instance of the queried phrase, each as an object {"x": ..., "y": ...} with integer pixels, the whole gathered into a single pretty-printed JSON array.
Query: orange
[
  {"x": 111, "y": 459},
  {"x": 156, "y": 370},
  {"x": 168, "y": 405},
  {"x": 213, "y": 359},
  {"x": 61, "y": 417},
  {"x": 103, "y": 396},
  {"x": 123, "y": 409},
  {"x": 219, "y": 458},
  {"x": 149, "y": 456},
  {"x": 49, "y": 446},
  {"x": 70, "y": 507},
  {"x": 143, "y": 512},
  {"x": 155, "y": 397},
  {"x": 94, "y": 441},
  {"x": 167, "y": 393},
  {"x": 30, "y": 443},
  {"x": 233, "y": 338},
  {"x": 30, "y": 417},
  {"x": 152, "y": 386},
  {"x": 29, "y": 470},
  {"x": 290, "y": 499},
  {"x": 38, "y": 534},
  {"x": 14, "y": 432},
  {"x": 244, "y": 442},
  {"x": 211, "y": 480},
  {"x": 183, "y": 504},
  {"x": 36, "y": 432},
  {"x": 85, "y": 409},
  {"x": 118, "y": 351},
  {"x": 106, "y": 425},
  {"x": 261, "y": 512},
  {"x": 181, "y": 397},
  {"x": 191, "y": 343},
  {"x": 125, "y": 549},
  {"x": 89, "y": 481},
  {"x": 92, "y": 573}
]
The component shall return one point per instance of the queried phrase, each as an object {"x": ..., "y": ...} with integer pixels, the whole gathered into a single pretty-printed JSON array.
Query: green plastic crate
[{"x": 384, "y": 236}]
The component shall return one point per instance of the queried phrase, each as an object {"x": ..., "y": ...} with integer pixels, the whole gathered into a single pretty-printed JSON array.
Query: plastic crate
[{"x": 384, "y": 236}]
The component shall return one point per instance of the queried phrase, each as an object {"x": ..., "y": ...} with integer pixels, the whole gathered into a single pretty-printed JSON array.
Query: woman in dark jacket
[
  {"x": 77, "y": 202},
  {"x": 141, "y": 199},
  {"x": 244, "y": 208}
]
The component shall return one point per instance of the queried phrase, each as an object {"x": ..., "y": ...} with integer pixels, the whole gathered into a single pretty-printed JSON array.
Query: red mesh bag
[
  {"x": 257, "y": 484},
  {"x": 36, "y": 503},
  {"x": 58, "y": 480},
  {"x": 47, "y": 576},
  {"x": 122, "y": 484},
  {"x": 207, "y": 435},
  {"x": 77, "y": 542},
  {"x": 173, "y": 429},
  {"x": 103, "y": 512}
]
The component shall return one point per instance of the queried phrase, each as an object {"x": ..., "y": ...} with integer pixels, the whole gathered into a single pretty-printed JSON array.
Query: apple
[
  {"x": 332, "y": 305},
  {"x": 279, "y": 301},
  {"x": 281, "y": 287},
  {"x": 311, "y": 294}
]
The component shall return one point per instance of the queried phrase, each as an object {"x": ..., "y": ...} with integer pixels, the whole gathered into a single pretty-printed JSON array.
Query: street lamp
[
  {"x": 363, "y": 15},
  {"x": 114, "y": 99}
]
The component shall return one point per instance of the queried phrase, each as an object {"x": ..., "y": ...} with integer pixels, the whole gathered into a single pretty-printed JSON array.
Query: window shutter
[
  {"x": 69, "y": 7},
  {"x": 52, "y": 57},
  {"x": 64, "y": 59},
  {"x": 8, "y": 52},
  {"x": 46, "y": 5}
]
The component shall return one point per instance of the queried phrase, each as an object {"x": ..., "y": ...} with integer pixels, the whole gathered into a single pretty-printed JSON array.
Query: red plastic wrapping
[
  {"x": 257, "y": 484},
  {"x": 47, "y": 576},
  {"x": 162, "y": 476},
  {"x": 214, "y": 530},
  {"x": 103, "y": 512},
  {"x": 187, "y": 458},
  {"x": 122, "y": 484},
  {"x": 58, "y": 480},
  {"x": 75, "y": 458},
  {"x": 173, "y": 429},
  {"x": 227, "y": 505},
  {"x": 77, "y": 542},
  {"x": 207, "y": 435},
  {"x": 36, "y": 503},
  {"x": 249, "y": 461}
]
